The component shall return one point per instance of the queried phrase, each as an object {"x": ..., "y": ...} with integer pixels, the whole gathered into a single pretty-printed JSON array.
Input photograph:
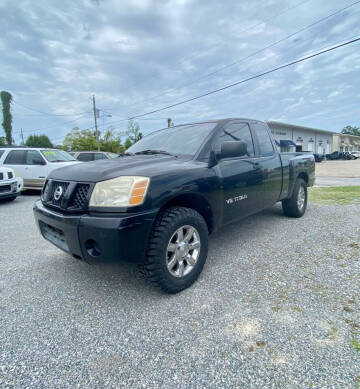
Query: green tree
[
  {"x": 2, "y": 141},
  {"x": 81, "y": 140},
  {"x": 127, "y": 143},
  {"x": 133, "y": 133},
  {"x": 111, "y": 142},
  {"x": 6, "y": 100},
  {"x": 38, "y": 141},
  {"x": 351, "y": 130}
]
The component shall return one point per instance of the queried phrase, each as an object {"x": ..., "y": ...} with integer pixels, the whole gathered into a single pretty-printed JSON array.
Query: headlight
[{"x": 123, "y": 191}]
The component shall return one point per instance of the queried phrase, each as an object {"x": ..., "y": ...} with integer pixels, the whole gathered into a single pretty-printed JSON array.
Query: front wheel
[
  {"x": 177, "y": 249},
  {"x": 296, "y": 205}
]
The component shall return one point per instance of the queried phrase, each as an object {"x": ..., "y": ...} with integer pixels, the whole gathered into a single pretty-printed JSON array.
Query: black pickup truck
[{"x": 158, "y": 202}]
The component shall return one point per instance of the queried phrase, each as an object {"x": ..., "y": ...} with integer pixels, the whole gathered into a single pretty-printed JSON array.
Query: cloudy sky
[{"x": 140, "y": 55}]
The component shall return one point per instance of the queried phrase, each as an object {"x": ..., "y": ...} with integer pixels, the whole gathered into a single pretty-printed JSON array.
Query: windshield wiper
[{"x": 149, "y": 152}]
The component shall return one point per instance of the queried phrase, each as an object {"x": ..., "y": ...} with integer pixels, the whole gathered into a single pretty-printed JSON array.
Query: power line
[
  {"x": 56, "y": 125},
  {"x": 248, "y": 79},
  {"x": 50, "y": 114},
  {"x": 250, "y": 55}
]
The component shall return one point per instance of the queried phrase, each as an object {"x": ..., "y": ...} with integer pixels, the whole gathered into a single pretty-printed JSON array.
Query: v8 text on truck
[{"x": 157, "y": 203}]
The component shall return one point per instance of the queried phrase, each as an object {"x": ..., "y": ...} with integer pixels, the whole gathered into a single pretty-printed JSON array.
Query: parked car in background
[
  {"x": 348, "y": 155},
  {"x": 34, "y": 164},
  {"x": 10, "y": 185},
  {"x": 87, "y": 156},
  {"x": 356, "y": 154},
  {"x": 334, "y": 155},
  {"x": 318, "y": 157}
]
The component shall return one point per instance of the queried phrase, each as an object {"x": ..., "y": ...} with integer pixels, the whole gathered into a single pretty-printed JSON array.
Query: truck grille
[
  {"x": 5, "y": 188},
  {"x": 79, "y": 198},
  {"x": 66, "y": 195}
]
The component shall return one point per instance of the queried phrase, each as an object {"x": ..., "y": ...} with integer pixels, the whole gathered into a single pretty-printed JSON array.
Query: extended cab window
[
  {"x": 15, "y": 157},
  {"x": 85, "y": 157},
  {"x": 265, "y": 144},
  {"x": 236, "y": 131},
  {"x": 1, "y": 152}
]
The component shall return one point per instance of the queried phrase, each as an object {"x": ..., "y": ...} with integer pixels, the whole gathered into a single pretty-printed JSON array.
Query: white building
[
  {"x": 290, "y": 137},
  {"x": 345, "y": 142}
]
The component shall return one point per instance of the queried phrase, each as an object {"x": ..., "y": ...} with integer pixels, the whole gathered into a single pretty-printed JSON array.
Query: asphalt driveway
[{"x": 277, "y": 306}]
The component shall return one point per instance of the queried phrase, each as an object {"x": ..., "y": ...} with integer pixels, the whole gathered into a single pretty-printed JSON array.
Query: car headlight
[{"x": 122, "y": 191}]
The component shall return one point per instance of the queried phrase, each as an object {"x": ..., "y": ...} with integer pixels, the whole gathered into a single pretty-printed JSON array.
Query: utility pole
[
  {"x": 22, "y": 137},
  {"x": 96, "y": 127}
]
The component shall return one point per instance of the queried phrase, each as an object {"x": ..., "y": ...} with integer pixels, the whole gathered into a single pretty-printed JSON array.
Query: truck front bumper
[
  {"x": 97, "y": 238},
  {"x": 11, "y": 188}
]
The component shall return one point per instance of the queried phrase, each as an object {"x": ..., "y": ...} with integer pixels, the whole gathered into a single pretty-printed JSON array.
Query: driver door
[{"x": 239, "y": 176}]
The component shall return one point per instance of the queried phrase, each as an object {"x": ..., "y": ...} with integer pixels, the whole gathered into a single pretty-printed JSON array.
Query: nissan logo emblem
[{"x": 58, "y": 193}]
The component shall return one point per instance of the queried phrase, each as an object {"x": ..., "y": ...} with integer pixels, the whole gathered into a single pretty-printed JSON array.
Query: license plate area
[{"x": 54, "y": 235}]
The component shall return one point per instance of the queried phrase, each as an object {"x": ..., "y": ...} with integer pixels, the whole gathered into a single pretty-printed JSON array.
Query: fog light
[{"x": 92, "y": 248}]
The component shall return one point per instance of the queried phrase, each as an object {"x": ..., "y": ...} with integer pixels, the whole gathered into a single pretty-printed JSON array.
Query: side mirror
[
  {"x": 233, "y": 149},
  {"x": 38, "y": 161}
]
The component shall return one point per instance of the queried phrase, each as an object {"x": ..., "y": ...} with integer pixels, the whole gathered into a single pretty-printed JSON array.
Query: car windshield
[
  {"x": 57, "y": 156},
  {"x": 177, "y": 140}
]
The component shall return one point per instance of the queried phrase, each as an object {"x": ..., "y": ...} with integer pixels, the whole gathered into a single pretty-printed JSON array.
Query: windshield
[
  {"x": 175, "y": 140},
  {"x": 57, "y": 156}
]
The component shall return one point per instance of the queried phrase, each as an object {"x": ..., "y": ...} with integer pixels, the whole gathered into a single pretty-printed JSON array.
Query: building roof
[
  {"x": 273, "y": 123},
  {"x": 354, "y": 137}
]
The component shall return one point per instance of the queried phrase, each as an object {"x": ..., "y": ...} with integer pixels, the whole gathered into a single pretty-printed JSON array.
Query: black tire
[
  {"x": 290, "y": 206},
  {"x": 166, "y": 224}
]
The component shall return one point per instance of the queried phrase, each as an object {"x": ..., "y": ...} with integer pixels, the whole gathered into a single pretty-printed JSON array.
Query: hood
[
  {"x": 4, "y": 169},
  {"x": 105, "y": 169}
]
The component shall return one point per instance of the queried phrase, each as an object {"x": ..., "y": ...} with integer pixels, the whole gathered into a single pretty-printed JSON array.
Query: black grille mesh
[{"x": 79, "y": 199}]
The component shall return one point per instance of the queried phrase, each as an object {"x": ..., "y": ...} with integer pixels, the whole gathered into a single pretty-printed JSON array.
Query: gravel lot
[
  {"x": 277, "y": 306},
  {"x": 338, "y": 168}
]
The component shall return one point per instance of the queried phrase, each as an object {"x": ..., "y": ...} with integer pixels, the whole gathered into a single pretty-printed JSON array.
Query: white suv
[
  {"x": 34, "y": 164},
  {"x": 10, "y": 186}
]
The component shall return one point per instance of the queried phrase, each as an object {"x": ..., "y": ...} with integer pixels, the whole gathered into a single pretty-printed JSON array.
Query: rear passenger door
[{"x": 269, "y": 166}]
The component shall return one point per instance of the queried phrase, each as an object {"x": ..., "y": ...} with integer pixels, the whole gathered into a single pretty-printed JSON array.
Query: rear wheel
[
  {"x": 177, "y": 249},
  {"x": 296, "y": 205}
]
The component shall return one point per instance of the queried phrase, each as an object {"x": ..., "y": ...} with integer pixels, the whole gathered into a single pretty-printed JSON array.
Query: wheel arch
[
  {"x": 196, "y": 202},
  {"x": 304, "y": 176}
]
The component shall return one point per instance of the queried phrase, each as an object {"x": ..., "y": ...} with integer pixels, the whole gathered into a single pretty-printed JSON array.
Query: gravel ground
[
  {"x": 338, "y": 168},
  {"x": 277, "y": 306}
]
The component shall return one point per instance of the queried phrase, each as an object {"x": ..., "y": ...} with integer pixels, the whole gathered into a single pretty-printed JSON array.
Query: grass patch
[
  {"x": 355, "y": 344},
  {"x": 335, "y": 195}
]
